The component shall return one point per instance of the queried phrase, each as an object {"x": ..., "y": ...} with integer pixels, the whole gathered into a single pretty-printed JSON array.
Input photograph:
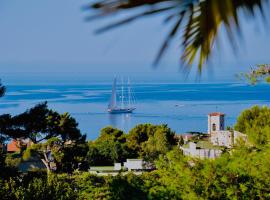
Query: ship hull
[{"x": 121, "y": 110}]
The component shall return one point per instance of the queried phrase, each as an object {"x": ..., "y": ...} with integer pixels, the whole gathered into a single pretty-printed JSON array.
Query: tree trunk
[
  {"x": 47, "y": 165},
  {"x": 46, "y": 162}
]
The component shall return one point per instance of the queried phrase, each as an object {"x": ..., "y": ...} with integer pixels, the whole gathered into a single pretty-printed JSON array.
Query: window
[{"x": 214, "y": 127}]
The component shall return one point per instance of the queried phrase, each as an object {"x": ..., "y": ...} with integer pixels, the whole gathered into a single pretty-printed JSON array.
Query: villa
[
  {"x": 137, "y": 166},
  {"x": 195, "y": 150},
  {"x": 217, "y": 138},
  {"x": 218, "y": 135}
]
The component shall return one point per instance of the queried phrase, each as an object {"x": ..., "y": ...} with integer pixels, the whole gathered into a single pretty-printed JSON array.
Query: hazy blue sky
[{"x": 45, "y": 41}]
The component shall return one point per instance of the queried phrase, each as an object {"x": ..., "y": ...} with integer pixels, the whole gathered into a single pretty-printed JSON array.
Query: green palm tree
[{"x": 199, "y": 20}]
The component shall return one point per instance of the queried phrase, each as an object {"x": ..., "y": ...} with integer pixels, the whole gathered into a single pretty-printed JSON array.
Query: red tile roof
[
  {"x": 13, "y": 146},
  {"x": 216, "y": 114}
]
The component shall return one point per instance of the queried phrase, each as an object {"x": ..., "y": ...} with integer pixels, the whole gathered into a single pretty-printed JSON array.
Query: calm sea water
[{"x": 184, "y": 107}]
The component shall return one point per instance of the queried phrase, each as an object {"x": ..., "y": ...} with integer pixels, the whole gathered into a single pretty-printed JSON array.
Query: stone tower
[{"x": 216, "y": 122}]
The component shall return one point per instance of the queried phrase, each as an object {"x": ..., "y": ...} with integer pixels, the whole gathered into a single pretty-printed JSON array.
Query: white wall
[
  {"x": 218, "y": 120},
  {"x": 200, "y": 153},
  {"x": 134, "y": 164}
]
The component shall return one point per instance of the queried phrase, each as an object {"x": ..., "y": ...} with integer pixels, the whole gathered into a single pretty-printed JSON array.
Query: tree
[
  {"x": 2, "y": 159},
  {"x": 137, "y": 136},
  {"x": 255, "y": 122},
  {"x": 63, "y": 125},
  {"x": 64, "y": 145},
  {"x": 2, "y": 90},
  {"x": 200, "y": 21},
  {"x": 127, "y": 187},
  {"x": 157, "y": 145},
  {"x": 145, "y": 140},
  {"x": 108, "y": 148},
  {"x": 35, "y": 186},
  {"x": 181, "y": 141},
  {"x": 149, "y": 141},
  {"x": 241, "y": 174},
  {"x": 31, "y": 124},
  {"x": 2, "y": 138},
  {"x": 38, "y": 124},
  {"x": 5, "y": 127},
  {"x": 60, "y": 156},
  {"x": 257, "y": 74}
]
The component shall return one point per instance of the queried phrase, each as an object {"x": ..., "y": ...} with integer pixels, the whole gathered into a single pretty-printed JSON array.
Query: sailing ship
[{"x": 126, "y": 104}]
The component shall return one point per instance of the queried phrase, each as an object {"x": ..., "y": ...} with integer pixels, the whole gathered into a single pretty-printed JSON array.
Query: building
[
  {"x": 216, "y": 122},
  {"x": 195, "y": 151},
  {"x": 134, "y": 164},
  {"x": 218, "y": 138},
  {"x": 137, "y": 166},
  {"x": 117, "y": 166},
  {"x": 218, "y": 135},
  {"x": 15, "y": 146},
  {"x": 227, "y": 138}
]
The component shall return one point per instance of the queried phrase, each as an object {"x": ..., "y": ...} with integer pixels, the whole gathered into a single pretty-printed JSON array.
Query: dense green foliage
[
  {"x": 58, "y": 143},
  {"x": 242, "y": 173},
  {"x": 55, "y": 137},
  {"x": 255, "y": 122},
  {"x": 66, "y": 156},
  {"x": 145, "y": 140}
]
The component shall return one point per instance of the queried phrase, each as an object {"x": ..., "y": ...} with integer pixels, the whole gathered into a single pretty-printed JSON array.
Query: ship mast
[
  {"x": 122, "y": 95},
  {"x": 129, "y": 94}
]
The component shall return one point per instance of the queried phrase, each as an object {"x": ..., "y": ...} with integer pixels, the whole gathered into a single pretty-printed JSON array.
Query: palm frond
[{"x": 200, "y": 21}]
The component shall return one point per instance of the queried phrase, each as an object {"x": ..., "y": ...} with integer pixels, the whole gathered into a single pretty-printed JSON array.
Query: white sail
[
  {"x": 129, "y": 94},
  {"x": 125, "y": 105},
  {"x": 113, "y": 102},
  {"x": 122, "y": 94}
]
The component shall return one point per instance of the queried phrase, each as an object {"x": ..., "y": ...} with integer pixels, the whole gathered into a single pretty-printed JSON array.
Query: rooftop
[
  {"x": 204, "y": 145},
  {"x": 13, "y": 146},
  {"x": 102, "y": 168},
  {"x": 134, "y": 159},
  {"x": 216, "y": 114}
]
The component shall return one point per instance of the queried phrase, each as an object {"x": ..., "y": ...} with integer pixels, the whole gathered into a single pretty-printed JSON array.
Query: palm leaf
[{"x": 200, "y": 21}]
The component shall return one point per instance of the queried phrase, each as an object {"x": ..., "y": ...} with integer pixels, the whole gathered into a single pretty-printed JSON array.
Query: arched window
[{"x": 214, "y": 127}]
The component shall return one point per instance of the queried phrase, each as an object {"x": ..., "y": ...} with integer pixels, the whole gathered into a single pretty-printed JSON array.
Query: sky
[{"x": 49, "y": 42}]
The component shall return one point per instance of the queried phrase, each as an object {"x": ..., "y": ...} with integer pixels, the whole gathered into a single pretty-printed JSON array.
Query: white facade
[
  {"x": 218, "y": 135},
  {"x": 216, "y": 122},
  {"x": 222, "y": 138},
  {"x": 200, "y": 153},
  {"x": 117, "y": 166},
  {"x": 227, "y": 138},
  {"x": 134, "y": 164}
]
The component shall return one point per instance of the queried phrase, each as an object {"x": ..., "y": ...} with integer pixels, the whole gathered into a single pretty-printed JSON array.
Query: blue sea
[{"x": 184, "y": 107}]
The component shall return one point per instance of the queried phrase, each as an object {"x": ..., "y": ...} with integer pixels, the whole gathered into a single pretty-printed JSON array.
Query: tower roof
[{"x": 216, "y": 114}]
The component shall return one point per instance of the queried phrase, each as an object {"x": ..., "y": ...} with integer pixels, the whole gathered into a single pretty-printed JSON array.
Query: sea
[{"x": 183, "y": 107}]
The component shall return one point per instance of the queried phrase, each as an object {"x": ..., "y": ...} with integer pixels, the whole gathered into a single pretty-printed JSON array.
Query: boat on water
[{"x": 126, "y": 105}]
